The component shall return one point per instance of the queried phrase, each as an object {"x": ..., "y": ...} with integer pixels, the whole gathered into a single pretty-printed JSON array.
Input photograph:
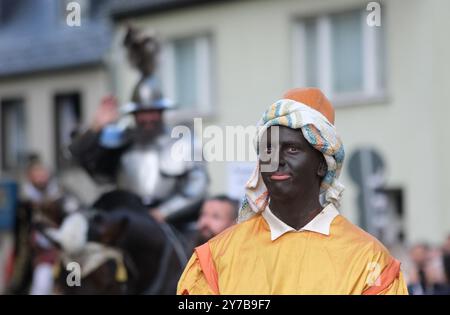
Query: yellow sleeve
[
  {"x": 398, "y": 287},
  {"x": 192, "y": 280}
]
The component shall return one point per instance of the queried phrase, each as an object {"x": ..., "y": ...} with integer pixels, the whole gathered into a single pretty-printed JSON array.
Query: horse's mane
[{"x": 119, "y": 199}]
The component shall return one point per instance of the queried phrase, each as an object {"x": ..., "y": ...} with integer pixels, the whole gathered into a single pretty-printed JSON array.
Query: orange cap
[{"x": 314, "y": 98}]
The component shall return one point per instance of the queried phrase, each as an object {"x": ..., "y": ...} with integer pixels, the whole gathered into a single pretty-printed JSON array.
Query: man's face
[
  {"x": 215, "y": 217},
  {"x": 149, "y": 122},
  {"x": 300, "y": 166},
  {"x": 39, "y": 177},
  {"x": 419, "y": 254}
]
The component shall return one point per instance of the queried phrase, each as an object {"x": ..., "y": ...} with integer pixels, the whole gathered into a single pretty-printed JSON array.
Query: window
[
  {"x": 13, "y": 144},
  {"x": 340, "y": 54},
  {"x": 186, "y": 73},
  {"x": 67, "y": 117}
]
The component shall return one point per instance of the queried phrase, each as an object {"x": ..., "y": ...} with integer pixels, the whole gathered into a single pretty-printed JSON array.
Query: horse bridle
[{"x": 173, "y": 242}]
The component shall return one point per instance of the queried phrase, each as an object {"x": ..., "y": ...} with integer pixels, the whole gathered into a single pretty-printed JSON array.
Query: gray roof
[
  {"x": 121, "y": 8},
  {"x": 35, "y": 37}
]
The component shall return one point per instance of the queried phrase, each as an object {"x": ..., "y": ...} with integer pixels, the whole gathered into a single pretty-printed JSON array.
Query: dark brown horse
[{"x": 151, "y": 253}]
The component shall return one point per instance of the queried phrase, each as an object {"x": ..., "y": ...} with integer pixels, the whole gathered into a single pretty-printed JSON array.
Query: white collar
[{"x": 320, "y": 224}]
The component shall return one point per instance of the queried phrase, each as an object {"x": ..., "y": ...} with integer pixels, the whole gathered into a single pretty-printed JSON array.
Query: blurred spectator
[
  {"x": 38, "y": 189},
  {"x": 446, "y": 259},
  {"x": 39, "y": 186},
  {"x": 417, "y": 279},
  {"x": 49, "y": 203},
  {"x": 434, "y": 273},
  {"x": 429, "y": 274},
  {"x": 217, "y": 214}
]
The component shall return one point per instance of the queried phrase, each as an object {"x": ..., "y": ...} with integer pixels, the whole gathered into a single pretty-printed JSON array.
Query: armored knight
[{"x": 141, "y": 158}]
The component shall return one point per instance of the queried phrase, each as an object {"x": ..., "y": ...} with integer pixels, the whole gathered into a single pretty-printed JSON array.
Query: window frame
[
  {"x": 206, "y": 86},
  {"x": 12, "y": 169},
  {"x": 373, "y": 90},
  {"x": 61, "y": 163}
]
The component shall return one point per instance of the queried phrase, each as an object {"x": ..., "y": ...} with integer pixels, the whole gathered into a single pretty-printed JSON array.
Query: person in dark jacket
[{"x": 134, "y": 151}]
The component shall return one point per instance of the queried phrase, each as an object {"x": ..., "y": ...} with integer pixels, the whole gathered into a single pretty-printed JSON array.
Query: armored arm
[
  {"x": 191, "y": 190},
  {"x": 101, "y": 163}
]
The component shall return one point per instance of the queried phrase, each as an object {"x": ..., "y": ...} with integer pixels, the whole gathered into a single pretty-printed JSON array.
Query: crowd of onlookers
[{"x": 428, "y": 269}]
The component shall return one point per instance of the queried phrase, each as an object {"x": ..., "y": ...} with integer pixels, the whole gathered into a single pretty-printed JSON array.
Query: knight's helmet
[{"x": 142, "y": 53}]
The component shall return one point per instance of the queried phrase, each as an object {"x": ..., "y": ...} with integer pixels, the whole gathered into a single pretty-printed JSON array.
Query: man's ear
[
  {"x": 322, "y": 170},
  {"x": 112, "y": 231}
]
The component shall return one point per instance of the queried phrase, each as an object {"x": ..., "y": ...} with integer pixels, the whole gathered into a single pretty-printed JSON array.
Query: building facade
[
  {"x": 226, "y": 62},
  {"x": 387, "y": 83}
]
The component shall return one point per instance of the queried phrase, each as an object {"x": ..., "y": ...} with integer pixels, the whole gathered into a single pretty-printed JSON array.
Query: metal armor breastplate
[{"x": 150, "y": 172}]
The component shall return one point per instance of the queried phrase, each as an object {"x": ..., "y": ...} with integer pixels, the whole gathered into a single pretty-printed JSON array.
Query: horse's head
[
  {"x": 119, "y": 248},
  {"x": 91, "y": 260},
  {"x": 107, "y": 228}
]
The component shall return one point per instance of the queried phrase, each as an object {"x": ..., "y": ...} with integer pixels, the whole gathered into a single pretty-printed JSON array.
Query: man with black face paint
[
  {"x": 291, "y": 238},
  {"x": 294, "y": 186}
]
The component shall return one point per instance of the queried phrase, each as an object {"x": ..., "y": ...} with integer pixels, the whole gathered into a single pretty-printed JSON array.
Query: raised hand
[{"x": 106, "y": 113}]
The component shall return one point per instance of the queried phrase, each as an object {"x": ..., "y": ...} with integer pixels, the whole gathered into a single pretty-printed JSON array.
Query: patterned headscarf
[{"x": 319, "y": 132}]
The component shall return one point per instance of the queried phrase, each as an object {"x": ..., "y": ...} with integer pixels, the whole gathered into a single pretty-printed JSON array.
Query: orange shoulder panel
[
  {"x": 388, "y": 276},
  {"x": 207, "y": 264}
]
